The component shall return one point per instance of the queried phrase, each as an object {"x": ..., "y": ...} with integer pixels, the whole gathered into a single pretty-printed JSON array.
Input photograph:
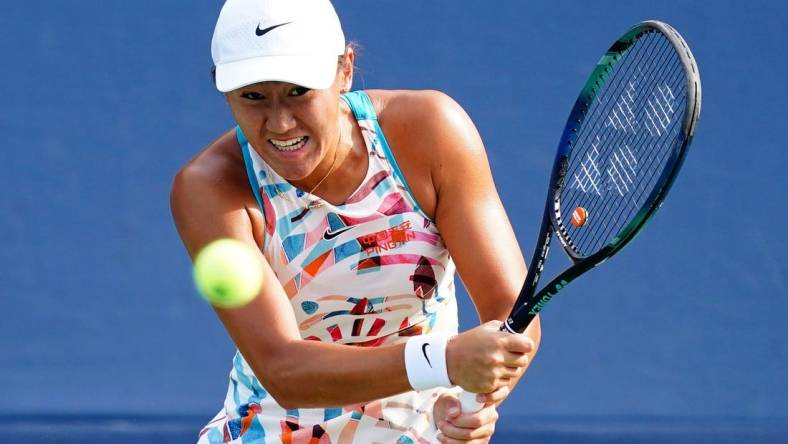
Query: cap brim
[{"x": 314, "y": 71}]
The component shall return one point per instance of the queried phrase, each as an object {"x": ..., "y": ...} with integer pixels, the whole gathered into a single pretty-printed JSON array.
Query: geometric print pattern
[{"x": 368, "y": 272}]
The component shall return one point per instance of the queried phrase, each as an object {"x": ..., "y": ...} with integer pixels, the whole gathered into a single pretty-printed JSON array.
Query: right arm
[
  {"x": 209, "y": 204},
  {"x": 211, "y": 199}
]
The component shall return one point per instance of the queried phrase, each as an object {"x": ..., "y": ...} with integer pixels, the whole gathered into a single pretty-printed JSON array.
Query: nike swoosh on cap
[{"x": 260, "y": 32}]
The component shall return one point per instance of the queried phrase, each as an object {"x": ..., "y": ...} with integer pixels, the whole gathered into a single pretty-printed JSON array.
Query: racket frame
[{"x": 530, "y": 302}]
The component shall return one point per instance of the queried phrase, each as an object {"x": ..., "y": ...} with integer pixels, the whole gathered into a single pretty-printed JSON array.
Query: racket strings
[
  {"x": 593, "y": 127},
  {"x": 652, "y": 162},
  {"x": 631, "y": 195},
  {"x": 624, "y": 142},
  {"x": 655, "y": 161},
  {"x": 618, "y": 216},
  {"x": 623, "y": 219}
]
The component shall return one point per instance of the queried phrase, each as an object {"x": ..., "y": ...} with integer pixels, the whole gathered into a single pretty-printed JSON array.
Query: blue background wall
[{"x": 103, "y": 101}]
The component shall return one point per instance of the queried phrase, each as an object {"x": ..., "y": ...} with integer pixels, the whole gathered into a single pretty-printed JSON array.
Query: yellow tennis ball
[{"x": 228, "y": 273}]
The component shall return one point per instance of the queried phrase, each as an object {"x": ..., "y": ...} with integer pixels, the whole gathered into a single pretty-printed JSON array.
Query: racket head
[{"x": 624, "y": 141}]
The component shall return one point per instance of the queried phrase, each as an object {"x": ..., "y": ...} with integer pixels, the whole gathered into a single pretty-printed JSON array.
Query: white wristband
[{"x": 425, "y": 361}]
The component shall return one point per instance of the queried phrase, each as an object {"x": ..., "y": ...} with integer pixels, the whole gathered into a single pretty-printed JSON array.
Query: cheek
[
  {"x": 245, "y": 113},
  {"x": 323, "y": 113},
  {"x": 312, "y": 118},
  {"x": 239, "y": 113},
  {"x": 248, "y": 118}
]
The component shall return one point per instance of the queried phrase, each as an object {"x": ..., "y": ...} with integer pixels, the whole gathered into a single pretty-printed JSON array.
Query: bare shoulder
[
  {"x": 213, "y": 170},
  {"x": 432, "y": 137},
  {"x": 430, "y": 121},
  {"x": 426, "y": 110},
  {"x": 210, "y": 195}
]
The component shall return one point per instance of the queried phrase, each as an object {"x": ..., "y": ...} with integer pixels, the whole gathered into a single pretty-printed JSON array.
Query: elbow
[
  {"x": 289, "y": 390},
  {"x": 282, "y": 378},
  {"x": 282, "y": 392},
  {"x": 286, "y": 402}
]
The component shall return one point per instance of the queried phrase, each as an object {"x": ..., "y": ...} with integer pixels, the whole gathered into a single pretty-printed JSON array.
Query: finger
[
  {"x": 441, "y": 407},
  {"x": 463, "y": 434},
  {"x": 474, "y": 420},
  {"x": 516, "y": 372},
  {"x": 515, "y": 359},
  {"x": 519, "y": 344},
  {"x": 446, "y": 440},
  {"x": 496, "y": 396},
  {"x": 505, "y": 374},
  {"x": 453, "y": 408}
]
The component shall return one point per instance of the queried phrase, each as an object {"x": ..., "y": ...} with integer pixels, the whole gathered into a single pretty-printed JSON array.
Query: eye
[
  {"x": 299, "y": 91},
  {"x": 252, "y": 95}
]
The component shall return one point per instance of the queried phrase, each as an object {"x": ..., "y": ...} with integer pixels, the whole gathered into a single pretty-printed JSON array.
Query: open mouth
[{"x": 289, "y": 144}]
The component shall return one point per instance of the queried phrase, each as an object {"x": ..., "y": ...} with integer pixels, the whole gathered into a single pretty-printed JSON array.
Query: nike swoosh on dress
[{"x": 328, "y": 234}]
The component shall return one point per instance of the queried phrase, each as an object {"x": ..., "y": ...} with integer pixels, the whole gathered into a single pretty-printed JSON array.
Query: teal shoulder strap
[
  {"x": 362, "y": 108},
  {"x": 250, "y": 174},
  {"x": 359, "y": 103}
]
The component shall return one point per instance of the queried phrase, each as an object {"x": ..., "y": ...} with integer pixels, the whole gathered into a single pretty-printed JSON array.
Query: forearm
[{"x": 304, "y": 374}]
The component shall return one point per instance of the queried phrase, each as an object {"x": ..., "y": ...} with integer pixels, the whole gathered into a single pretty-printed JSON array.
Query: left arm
[
  {"x": 462, "y": 198},
  {"x": 474, "y": 224},
  {"x": 465, "y": 204}
]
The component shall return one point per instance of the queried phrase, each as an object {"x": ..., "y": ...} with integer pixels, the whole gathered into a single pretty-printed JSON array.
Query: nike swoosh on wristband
[
  {"x": 261, "y": 32},
  {"x": 328, "y": 235},
  {"x": 424, "y": 350}
]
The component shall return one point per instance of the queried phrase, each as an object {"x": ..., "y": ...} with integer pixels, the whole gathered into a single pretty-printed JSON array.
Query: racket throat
[{"x": 546, "y": 296}]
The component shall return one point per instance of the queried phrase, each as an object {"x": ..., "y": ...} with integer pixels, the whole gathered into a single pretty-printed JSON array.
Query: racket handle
[{"x": 469, "y": 403}]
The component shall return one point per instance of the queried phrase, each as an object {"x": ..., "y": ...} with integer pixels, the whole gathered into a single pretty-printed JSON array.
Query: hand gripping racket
[{"x": 621, "y": 148}]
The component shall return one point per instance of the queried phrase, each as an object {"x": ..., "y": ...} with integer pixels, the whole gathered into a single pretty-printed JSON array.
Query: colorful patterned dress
[{"x": 371, "y": 271}]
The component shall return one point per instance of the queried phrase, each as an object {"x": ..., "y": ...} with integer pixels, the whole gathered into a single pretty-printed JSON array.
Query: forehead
[{"x": 271, "y": 85}]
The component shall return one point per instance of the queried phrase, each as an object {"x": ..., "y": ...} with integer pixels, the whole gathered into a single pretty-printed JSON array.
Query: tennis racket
[{"x": 621, "y": 149}]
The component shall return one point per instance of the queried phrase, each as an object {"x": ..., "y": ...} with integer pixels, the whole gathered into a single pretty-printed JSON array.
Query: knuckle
[
  {"x": 490, "y": 361},
  {"x": 475, "y": 422}
]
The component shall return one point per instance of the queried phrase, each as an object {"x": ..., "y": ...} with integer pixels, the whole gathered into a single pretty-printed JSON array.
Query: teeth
[{"x": 290, "y": 144}]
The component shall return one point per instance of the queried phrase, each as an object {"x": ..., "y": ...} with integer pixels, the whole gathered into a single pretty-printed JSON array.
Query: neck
[{"x": 331, "y": 167}]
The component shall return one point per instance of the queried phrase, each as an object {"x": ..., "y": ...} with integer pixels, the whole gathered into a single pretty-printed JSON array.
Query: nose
[{"x": 280, "y": 119}]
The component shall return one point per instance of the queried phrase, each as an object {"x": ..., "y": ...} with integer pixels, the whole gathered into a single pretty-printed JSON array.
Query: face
[{"x": 292, "y": 128}]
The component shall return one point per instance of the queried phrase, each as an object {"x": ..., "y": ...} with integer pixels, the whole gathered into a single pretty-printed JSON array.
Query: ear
[{"x": 346, "y": 70}]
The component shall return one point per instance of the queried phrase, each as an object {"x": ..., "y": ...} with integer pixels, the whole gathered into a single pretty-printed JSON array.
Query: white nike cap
[{"x": 294, "y": 41}]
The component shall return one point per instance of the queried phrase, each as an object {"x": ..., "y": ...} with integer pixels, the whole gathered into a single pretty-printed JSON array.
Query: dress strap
[
  {"x": 250, "y": 174},
  {"x": 360, "y": 104}
]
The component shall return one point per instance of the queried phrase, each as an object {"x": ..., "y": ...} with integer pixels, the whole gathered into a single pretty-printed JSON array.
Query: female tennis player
[{"x": 360, "y": 203}]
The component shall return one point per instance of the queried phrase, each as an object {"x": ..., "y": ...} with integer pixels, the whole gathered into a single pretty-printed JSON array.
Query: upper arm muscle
[
  {"x": 461, "y": 195},
  {"x": 207, "y": 205}
]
